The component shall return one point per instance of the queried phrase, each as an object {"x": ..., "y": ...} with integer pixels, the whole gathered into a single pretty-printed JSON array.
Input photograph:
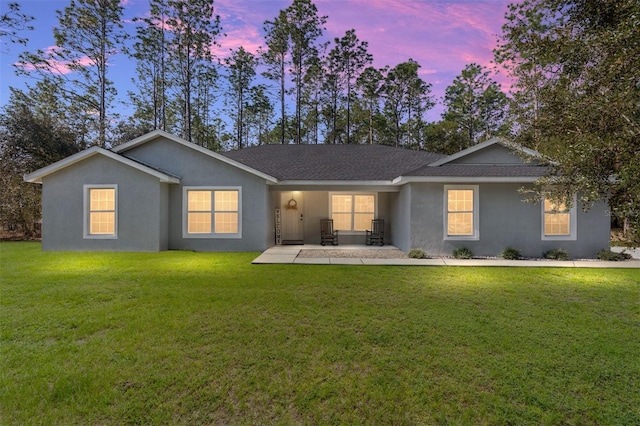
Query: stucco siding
[
  {"x": 138, "y": 212},
  {"x": 505, "y": 220},
  {"x": 197, "y": 169}
]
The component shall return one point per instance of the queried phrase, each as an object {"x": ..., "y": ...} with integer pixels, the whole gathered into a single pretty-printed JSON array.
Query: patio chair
[
  {"x": 376, "y": 235},
  {"x": 327, "y": 234}
]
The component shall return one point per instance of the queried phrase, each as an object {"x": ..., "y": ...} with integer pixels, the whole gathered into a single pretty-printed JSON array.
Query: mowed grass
[{"x": 208, "y": 338}]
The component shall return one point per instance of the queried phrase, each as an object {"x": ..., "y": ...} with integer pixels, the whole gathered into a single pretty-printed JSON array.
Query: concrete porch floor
[{"x": 289, "y": 255}]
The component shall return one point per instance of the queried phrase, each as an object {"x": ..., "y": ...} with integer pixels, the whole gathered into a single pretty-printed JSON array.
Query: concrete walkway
[{"x": 289, "y": 255}]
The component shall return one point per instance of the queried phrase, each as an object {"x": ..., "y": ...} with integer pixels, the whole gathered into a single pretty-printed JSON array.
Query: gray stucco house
[{"x": 160, "y": 192}]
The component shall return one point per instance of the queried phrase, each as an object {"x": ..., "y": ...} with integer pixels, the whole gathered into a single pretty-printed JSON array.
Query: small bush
[
  {"x": 510, "y": 253},
  {"x": 417, "y": 254},
  {"x": 612, "y": 256},
  {"x": 462, "y": 253},
  {"x": 556, "y": 254}
]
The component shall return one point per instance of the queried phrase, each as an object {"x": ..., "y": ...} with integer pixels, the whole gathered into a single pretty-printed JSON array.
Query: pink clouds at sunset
[{"x": 441, "y": 35}]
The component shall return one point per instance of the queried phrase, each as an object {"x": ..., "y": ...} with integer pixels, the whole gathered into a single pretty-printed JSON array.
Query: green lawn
[{"x": 208, "y": 338}]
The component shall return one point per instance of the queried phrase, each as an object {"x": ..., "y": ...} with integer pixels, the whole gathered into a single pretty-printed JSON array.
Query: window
[
  {"x": 352, "y": 212},
  {"x": 558, "y": 221},
  {"x": 212, "y": 212},
  {"x": 461, "y": 212},
  {"x": 100, "y": 211}
]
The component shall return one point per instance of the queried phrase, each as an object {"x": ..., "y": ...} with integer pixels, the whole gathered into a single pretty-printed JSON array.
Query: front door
[{"x": 292, "y": 208}]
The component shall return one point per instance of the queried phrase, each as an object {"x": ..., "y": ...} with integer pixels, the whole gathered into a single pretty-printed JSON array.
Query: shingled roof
[{"x": 333, "y": 162}]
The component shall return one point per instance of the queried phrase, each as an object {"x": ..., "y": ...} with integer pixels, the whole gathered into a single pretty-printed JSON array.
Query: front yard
[{"x": 208, "y": 338}]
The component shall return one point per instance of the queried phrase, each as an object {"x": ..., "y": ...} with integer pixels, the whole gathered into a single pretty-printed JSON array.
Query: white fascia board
[
  {"x": 401, "y": 180},
  {"x": 160, "y": 133},
  {"x": 36, "y": 177},
  {"x": 336, "y": 182}
]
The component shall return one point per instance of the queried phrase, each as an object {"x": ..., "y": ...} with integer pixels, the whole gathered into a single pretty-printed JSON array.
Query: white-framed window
[
  {"x": 558, "y": 221},
  {"x": 461, "y": 212},
  {"x": 100, "y": 211},
  {"x": 212, "y": 212},
  {"x": 352, "y": 212}
]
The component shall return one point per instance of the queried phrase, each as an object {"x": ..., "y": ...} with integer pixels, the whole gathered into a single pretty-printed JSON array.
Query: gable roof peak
[{"x": 496, "y": 140}]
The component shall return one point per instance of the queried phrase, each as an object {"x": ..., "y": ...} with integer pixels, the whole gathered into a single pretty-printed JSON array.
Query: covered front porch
[{"x": 298, "y": 214}]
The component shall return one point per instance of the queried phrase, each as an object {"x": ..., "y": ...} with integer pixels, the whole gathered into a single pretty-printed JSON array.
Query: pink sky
[{"x": 441, "y": 35}]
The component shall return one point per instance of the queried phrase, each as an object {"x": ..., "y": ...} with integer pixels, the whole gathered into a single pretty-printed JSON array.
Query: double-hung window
[
  {"x": 558, "y": 221},
  {"x": 461, "y": 212},
  {"x": 100, "y": 211},
  {"x": 352, "y": 212},
  {"x": 212, "y": 212}
]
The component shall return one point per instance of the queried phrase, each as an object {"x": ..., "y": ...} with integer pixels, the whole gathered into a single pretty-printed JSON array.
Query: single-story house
[{"x": 160, "y": 192}]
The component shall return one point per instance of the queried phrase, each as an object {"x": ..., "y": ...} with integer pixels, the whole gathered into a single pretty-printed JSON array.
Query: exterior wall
[
  {"x": 505, "y": 221},
  {"x": 197, "y": 169},
  {"x": 139, "y": 206},
  {"x": 400, "y": 211}
]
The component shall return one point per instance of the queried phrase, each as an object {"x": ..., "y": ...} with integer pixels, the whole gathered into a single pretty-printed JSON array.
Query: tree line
[{"x": 573, "y": 63}]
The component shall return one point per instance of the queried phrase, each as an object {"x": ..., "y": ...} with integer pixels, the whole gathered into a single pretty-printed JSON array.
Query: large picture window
[
  {"x": 212, "y": 212},
  {"x": 100, "y": 211},
  {"x": 461, "y": 212},
  {"x": 352, "y": 212},
  {"x": 558, "y": 221}
]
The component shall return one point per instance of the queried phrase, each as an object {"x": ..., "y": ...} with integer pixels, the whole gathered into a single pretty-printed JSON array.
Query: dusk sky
[{"x": 441, "y": 35}]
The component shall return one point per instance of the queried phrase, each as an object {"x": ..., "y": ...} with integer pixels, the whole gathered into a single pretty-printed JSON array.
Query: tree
[
  {"x": 304, "y": 28},
  {"x": 275, "y": 58},
  {"x": 241, "y": 67},
  {"x": 575, "y": 66},
  {"x": 194, "y": 29},
  {"x": 260, "y": 114},
  {"x": 349, "y": 57},
  {"x": 476, "y": 104},
  {"x": 88, "y": 34},
  {"x": 370, "y": 84},
  {"x": 406, "y": 98},
  {"x": 32, "y": 135},
  {"x": 151, "y": 51},
  {"x": 12, "y": 23}
]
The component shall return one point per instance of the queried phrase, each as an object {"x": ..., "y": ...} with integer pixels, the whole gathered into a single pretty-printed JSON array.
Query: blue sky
[{"x": 441, "y": 35}]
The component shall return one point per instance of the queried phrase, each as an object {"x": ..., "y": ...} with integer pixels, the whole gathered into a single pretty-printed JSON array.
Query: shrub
[
  {"x": 557, "y": 254},
  {"x": 462, "y": 253},
  {"x": 417, "y": 254},
  {"x": 612, "y": 256},
  {"x": 510, "y": 253}
]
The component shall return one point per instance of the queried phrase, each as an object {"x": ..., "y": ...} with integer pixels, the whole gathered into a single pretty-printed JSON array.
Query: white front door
[{"x": 292, "y": 208}]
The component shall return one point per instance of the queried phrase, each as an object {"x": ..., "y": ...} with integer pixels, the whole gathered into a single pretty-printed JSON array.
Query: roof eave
[{"x": 401, "y": 180}]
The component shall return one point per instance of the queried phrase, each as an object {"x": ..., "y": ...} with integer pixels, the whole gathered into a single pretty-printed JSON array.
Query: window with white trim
[
  {"x": 100, "y": 211},
  {"x": 461, "y": 212},
  {"x": 558, "y": 221},
  {"x": 352, "y": 212},
  {"x": 212, "y": 212}
]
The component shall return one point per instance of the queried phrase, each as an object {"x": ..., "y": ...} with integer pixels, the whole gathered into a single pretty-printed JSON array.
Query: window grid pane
[
  {"x": 460, "y": 224},
  {"x": 102, "y": 223},
  {"x": 341, "y": 221},
  {"x": 557, "y": 224},
  {"x": 226, "y": 223},
  {"x": 199, "y": 223},
  {"x": 226, "y": 201},
  {"x": 362, "y": 221},
  {"x": 199, "y": 201}
]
